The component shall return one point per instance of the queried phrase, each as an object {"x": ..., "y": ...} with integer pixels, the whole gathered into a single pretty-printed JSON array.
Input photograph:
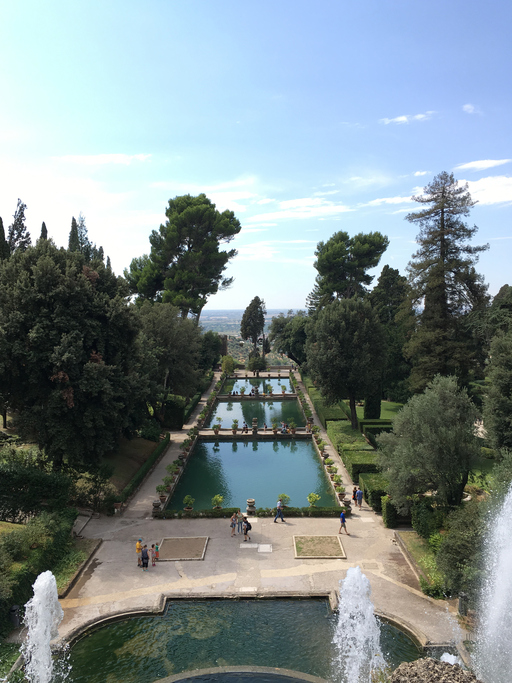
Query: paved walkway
[{"x": 113, "y": 583}]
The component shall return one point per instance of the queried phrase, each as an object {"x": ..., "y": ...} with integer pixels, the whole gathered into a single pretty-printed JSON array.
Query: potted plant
[
  {"x": 337, "y": 480},
  {"x": 328, "y": 462},
  {"x": 186, "y": 445},
  {"x": 293, "y": 426},
  {"x": 333, "y": 471},
  {"x": 188, "y": 502},
  {"x": 242, "y": 389},
  {"x": 312, "y": 498},
  {"x": 217, "y": 501},
  {"x": 161, "y": 490},
  {"x": 283, "y": 389},
  {"x": 168, "y": 482},
  {"x": 321, "y": 445},
  {"x": 216, "y": 428},
  {"x": 234, "y": 426},
  {"x": 274, "y": 425},
  {"x": 269, "y": 389}
]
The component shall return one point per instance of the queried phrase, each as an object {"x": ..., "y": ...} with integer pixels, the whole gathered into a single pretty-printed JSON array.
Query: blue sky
[{"x": 303, "y": 118}]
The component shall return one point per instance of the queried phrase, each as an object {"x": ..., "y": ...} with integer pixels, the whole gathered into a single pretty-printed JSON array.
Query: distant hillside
[{"x": 227, "y": 321}]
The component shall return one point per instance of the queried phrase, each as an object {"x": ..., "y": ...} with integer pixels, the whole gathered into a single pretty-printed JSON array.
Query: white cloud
[
  {"x": 491, "y": 190},
  {"x": 265, "y": 201},
  {"x": 407, "y": 118},
  {"x": 101, "y": 159},
  {"x": 482, "y": 165},
  {"x": 306, "y": 207},
  {"x": 388, "y": 200},
  {"x": 324, "y": 194},
  {"x": 246, "y": 231},
  {"x": 418, "y": 173},
  {"x": 271, "y": 252},
  {"x": 470, "y": 109}
]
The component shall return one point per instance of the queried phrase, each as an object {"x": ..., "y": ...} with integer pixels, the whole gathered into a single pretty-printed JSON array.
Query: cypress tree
[
  {"x": 44, "y": 231},
  {"x": 73, "y": 243},
  {"x": 4, "y": 246},
  {"x": 19, "y": 236},
  {"x": 443, "y": 279}
]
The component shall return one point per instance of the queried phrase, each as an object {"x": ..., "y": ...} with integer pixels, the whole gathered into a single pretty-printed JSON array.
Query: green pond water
[
  {"x": 265, "y": 411},
  {"x": 252, "y": 469},
  {"x": 291, "y": 634},
  {"x": 236, "y": 385}
]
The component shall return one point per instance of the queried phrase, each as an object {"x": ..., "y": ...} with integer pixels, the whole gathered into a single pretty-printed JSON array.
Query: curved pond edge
[
  {"x": 275, "y": 673},
  {"x": 419, "y": 638}
]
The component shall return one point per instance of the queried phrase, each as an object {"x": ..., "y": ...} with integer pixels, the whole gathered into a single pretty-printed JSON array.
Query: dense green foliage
[
  {"x": 172, "y": 347},
  {"x": 390, "y": 299},
  {"x": 374, "y": 487},
  {"x": 28, "y": 551},
  {"x": 253, "y": 322},
  {"x": 146, "y": 467},
  {"x": 342, "y": 264},
  {"x": 498, "y": 399},
  {"x": 69, "y": 361},
  {"x": 288, "y": 335},
  {"x": 432, "y": 446},
  {"x": 186, "y": 264},
  {"x": 27, "y": 489},
  {"x": 443, "y": 277},
  {"x": 345, "y": 351}
]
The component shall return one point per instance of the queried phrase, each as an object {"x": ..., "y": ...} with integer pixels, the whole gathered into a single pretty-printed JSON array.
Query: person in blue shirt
[
  {"x": 343, "y": 523},
  {"x": 279, "y": 512}
]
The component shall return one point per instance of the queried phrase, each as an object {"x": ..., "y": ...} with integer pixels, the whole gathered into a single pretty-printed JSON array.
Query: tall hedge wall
[{"x": 374, "y": 487}]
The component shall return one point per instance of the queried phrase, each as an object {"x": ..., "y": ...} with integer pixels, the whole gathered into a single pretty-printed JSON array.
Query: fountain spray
[
  {"x": 357, "y": 635},
  {"x": 43, "y": 615}
]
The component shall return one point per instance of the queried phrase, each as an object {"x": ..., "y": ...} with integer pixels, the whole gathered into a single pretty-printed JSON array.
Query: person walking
[
  {"x": 359, "y": 496},
  {"x": 157, "y": 552},
  {"x": 138, "y": 550},
  {"x": 343, "y": 523},
  {"x": 145, "y": 558},
  {"x": 240, "y": 522},
  {"x": 232, "y": 523},
  {"x": 279, "y": 511},
  {"x": 247, "y": 528},
  {"x": 153, "y": 556},
  {"x": 354, "y": 495}
]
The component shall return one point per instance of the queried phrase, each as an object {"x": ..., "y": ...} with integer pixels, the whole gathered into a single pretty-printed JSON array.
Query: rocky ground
[{"x": 431, "y": 671}]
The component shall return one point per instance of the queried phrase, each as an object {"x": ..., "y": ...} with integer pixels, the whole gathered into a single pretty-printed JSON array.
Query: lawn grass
[
  {"x": 78, "y": 552},
  {"x": 128, "y": 459},
  {"x": 422, "y": 555},
  {"x": 388, "y": 410},
  {"x": 6, "y": 527},
  {"x": 341, "y": 434}
]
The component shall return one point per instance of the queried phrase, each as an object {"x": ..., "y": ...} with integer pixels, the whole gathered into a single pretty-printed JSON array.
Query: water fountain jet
[
  {"x": 357, "y": 635},
  {"x": 493, "y": 658},
  {"x": 43, "y": 615}
]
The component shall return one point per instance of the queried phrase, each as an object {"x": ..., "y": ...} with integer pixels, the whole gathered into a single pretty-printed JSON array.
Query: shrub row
[
  {"x": 260, "y": 512},
  {"x": 360, "y": 462},
  {"x": 25, "y": 491},
  {"x": 389, "y": 514},
  {"x": 342, "y": 436},
  {"x": 374, "y": 487},
  {"x": 141, "y": 473},
  {"x": 28, "y": 551}
]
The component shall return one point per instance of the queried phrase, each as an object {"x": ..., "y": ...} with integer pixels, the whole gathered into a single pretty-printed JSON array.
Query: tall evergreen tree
[
  {"x": 18, "y": 236},
  {"x": 345, "y": 349},
  {"x": 44, "y": 232},
  {"x": 186, "y": 264},
  {"x": 253, "y": 322},
  {"x": 498, "y": 400},
  {"x": 390, "y": 299},
  {"x": 342, "y": 264},
  {"x": 444, "y": 284},
  {"x": 4, "y": 244},
  {"x": 73, "y": 242}
]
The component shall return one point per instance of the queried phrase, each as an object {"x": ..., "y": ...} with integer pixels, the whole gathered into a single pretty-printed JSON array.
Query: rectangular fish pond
[
  {"x": 283, "y": 410},
  {"x": 232, "y": 384},
  {"x": 249, "y": 468},
  {"x": 195, "y": 634}
]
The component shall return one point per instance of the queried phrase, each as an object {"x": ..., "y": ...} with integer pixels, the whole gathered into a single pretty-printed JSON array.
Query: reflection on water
[
  {"x": 264, "y": 411},
  {"x": 260, "y": 382},
  {"x": 291, "y": 634},
  {"x": 252, "y": 469}
]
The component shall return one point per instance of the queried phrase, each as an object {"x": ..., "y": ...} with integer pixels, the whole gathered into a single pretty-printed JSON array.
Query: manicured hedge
[
  {"x": 359, "y": 462},
  {"x": 26, "y": 491},
  {"x": 141, "y": 473},
  {"x": 191, "y": 406},
  {"x": 260, "y": 512},
  {"x": 174, "y": 414},
  {"x": 342, "y": 436},
  {"x": 389, "y": 514},
  {"x": 374, "y": 487}
]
